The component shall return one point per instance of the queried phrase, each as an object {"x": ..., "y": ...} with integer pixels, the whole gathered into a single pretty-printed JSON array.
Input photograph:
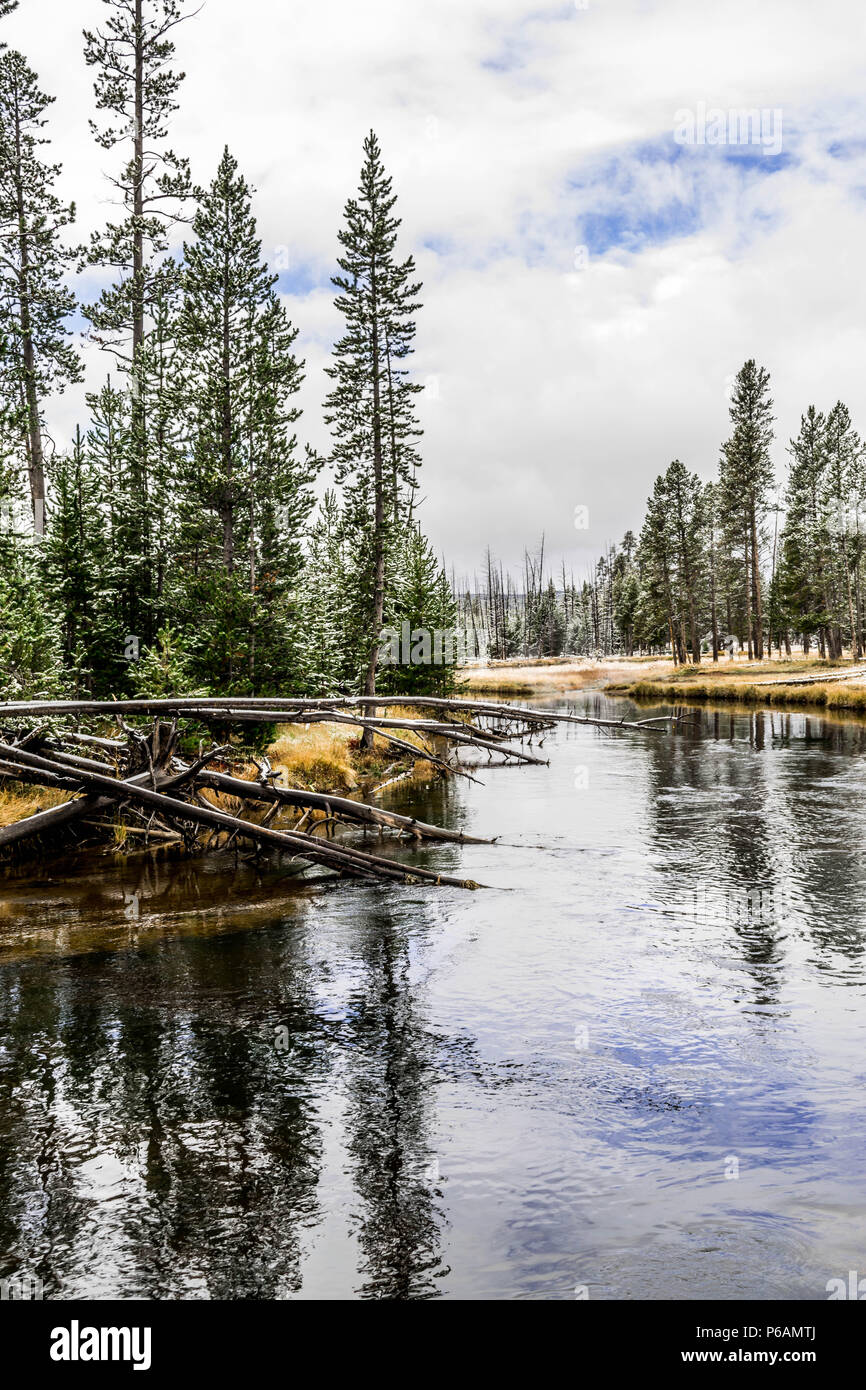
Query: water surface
[{"x": 635, "y": 1065}]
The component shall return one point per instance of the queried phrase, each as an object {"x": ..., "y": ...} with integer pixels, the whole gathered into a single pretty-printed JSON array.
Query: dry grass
[
  {"x": 660, "y": 679},
  {"x": 407, "y": 735},
  {"x": 18, "y": 801},
  {"x": 742, "y": 672},
  {"x": 738, "y": 683},
  {"x": 317, "y": 757},
  {"x": 328, "y": 757},
  {"x": 551, "y": 676}
]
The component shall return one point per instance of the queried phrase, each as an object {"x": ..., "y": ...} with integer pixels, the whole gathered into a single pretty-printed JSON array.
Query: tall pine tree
[
  {"x": 38, "y": 358},
  {"x": 245, "y": 494},
  {"x": 137, "y": 89},
  {"x": 369, "y": 407},
  {"x": 746, "y": 477}
]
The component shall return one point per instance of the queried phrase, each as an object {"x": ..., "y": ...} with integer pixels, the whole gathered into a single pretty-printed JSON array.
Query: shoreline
[
  {"x": 657, "y": 679},
  {"x": 754, "y": 689}
]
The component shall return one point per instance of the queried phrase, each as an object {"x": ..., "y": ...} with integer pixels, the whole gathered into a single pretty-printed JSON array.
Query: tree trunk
[
  {"x": 35, "y": 455},
  {"x": 756, "y": 585},
  {"x": 746, "y": 569},
  {"x": 858, "y": 650},
  {"x": 851, "y": 623},
  {"x": 137, "y": 422},
  {"x": 379, "y": 517}
]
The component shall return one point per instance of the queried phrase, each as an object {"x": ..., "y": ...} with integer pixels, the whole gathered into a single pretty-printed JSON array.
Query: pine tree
[
  {"x": 684, "y": 494},
  {"x": 746, "y": 478},
  {"x": 370, "y": 409},
  {"x": 626, "y": 591},
  {"x": 244, "y": 493},
  {"x": 73, "y": 564},
  {"x": 842, "y": 504},
  {"x": 658, "y": 616},
  {"x": 165, "y": 668},
  {"x": 804, "y": 571},
  {"x": 108, "y": 453},
  {"x": 326, "y": 657},
  {"x": 422, "y": 606},
  {"x": 31, "y": 658},
  {"x": 38, "y": 359},
  {"x": 714, "y": 560},
  {"x": 138, "y": 90}
]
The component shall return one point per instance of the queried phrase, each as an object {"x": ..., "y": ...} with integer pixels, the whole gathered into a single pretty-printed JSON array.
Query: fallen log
[
  {"x": 239, "y": 787},
  {"x": 453, "y": 732},
  {"x": 62, "y": 775},
  {"x": 422, "y": 754},
  {"x": 356, "y": 863},
  {"x": 272, "y": 709},
  {"x": 343, "y": 806},
  {"x": 44, "y": 821}
]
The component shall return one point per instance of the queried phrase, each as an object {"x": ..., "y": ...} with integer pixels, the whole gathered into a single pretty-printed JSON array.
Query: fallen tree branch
[
  {"x": 347, "y": 809},
  {"x": 350, "y": 861}
]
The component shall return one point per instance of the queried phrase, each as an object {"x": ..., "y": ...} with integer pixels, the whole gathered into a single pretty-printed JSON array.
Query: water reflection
[
  {"x": 153, "y": 1141},
  {"x": 217, "y": 1083},
  {"x": 776, "y": 840},
  {"x": 390, "y": 1116}
]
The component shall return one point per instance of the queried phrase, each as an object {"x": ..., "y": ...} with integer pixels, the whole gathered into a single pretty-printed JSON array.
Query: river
[{"x": 633, "y": 1067}]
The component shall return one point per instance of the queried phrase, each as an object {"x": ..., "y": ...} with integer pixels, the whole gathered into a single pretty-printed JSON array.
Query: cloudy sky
[{"x": 591, "y": 281}]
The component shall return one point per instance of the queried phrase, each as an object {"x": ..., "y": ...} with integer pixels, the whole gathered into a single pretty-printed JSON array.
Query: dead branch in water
[
  {"x": 141, "y": 771},
  {"x": 355, "y": 863},
  {"x": 280, "y": 710}
]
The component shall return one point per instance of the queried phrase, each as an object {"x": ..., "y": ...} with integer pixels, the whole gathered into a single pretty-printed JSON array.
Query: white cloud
[{"x": 515, "y": 132}]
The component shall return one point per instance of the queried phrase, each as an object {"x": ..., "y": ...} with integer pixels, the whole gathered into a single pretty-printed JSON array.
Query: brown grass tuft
[
  {"x": 317, "y": 758},
  {"x": 19, "y": 801}
]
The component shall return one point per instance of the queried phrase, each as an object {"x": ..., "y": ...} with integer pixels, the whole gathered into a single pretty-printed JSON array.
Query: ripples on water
[{"x": 636, "y": 1064}]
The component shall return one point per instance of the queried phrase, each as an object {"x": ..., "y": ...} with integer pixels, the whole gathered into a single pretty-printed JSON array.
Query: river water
[{"x": 633, "y": 1067}]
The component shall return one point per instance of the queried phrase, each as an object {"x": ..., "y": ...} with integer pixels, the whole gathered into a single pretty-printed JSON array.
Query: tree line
[
  {"x": 177, "y": 543},
  {"x": 717, "y": 566}
]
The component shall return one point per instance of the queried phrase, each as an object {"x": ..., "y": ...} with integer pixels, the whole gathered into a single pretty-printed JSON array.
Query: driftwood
[
  {"x": 246, "y": 790},
  {"x": 61, "y": 775},
  {"x": 340, "y": 857},
  {"x": 273, "y": 710},
  {"x": 341, "y": 806},
  {"x": 455, "y": 733}
]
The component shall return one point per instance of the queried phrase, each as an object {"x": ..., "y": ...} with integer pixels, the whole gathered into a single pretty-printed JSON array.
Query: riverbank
[
  {"x": 754, "y": 683},
  {"x": 657, "y": 680},
  {"x": 556, "y": 675}
]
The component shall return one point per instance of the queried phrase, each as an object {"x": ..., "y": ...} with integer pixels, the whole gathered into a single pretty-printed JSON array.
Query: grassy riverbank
[
  {"x": 329, "y": 757},
  {"x": 752, "y": 683},
  {"x": 659, "y": 680},
  {"x": 553, "y": 675}
]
